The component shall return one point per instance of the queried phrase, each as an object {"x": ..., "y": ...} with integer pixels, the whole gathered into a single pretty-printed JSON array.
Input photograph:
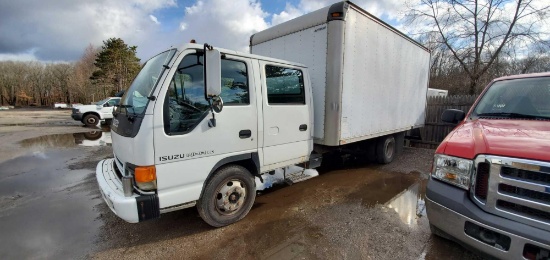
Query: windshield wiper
[
  {"x": 512, "y": 115},
  {"x": 130, "y": 118}
]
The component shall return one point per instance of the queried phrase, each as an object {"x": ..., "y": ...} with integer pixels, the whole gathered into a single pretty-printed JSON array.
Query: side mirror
[
  {"x": 453, "y": 116},
  {"x": 217, "y": 104},
  {"x": 106, "y": 105},
  {"x": 212, "y": 72}
]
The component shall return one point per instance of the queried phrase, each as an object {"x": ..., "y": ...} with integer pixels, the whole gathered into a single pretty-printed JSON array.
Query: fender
[{"x": 236, "y": 158}]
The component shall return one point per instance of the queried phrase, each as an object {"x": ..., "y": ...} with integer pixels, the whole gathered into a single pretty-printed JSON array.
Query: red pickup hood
[{"x": 528, "y": 139}]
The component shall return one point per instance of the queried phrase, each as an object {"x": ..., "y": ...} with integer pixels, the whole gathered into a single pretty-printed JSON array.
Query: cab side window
[
  {"x": 234, "y": 83},
  {"x": 285, "y": 86},
  {"x": 185, "y": 105},
  {"x": 113, "y": 102}
]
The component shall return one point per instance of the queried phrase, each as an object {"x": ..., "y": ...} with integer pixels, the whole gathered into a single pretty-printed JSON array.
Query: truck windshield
[
  {"x": 135, "y": 99},
  {"x": 518, "y": 98},
  {"x": 101, "y": 101}
]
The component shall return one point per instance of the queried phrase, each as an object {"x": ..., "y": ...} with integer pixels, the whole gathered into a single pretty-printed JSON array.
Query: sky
[{"x": 60, "y": 30}]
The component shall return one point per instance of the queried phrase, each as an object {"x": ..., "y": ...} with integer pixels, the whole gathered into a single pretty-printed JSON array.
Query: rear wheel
[
  {"x": 91, "y": 120},
  {"x": 227, "y": 197},
  {"x": 385, "y": 149}
]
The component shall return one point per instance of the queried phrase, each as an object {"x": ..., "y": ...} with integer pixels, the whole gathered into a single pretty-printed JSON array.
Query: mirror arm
[{"x": 212, "y": 121}]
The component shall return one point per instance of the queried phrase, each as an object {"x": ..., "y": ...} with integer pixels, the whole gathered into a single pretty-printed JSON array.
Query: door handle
[
  {"x": 245, "y": 134},
  {"x": 303, "y": 127}
]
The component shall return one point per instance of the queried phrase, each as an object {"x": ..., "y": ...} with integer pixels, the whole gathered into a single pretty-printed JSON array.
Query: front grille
[
  {"x": 523, "y": 210},
  {"x": 117, "y": 171},
  {"x": 482, "y": 181},
  {"x": 515, "y": 189},
  {"x": 521, "y": 174},
  {"x": 540, "y": 197}
]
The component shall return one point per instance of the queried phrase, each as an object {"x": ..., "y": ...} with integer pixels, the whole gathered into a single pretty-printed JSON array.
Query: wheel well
[
  {"x": 93, "y": 113},
  {"x": 249, "y": 161}
]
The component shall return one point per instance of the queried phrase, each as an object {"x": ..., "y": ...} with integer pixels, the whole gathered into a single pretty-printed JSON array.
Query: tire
[
  {"x": 385, "y": 149},
  {"x": 240, "y": 189},
  {"x": 93, "y": 135},
  {"x": 91, "y": 120}
]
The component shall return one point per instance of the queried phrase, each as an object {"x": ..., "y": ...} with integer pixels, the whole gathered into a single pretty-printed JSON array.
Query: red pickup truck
[{"x": 489, "y": 188}]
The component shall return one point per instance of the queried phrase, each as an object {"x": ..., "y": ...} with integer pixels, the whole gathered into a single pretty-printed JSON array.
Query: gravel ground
[{"x": 353, "y": 210}]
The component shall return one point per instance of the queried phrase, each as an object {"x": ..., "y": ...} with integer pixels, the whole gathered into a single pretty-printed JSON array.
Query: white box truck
[
  {"x": 174, "y": 147},
  {"x": 368, "y": 79}
]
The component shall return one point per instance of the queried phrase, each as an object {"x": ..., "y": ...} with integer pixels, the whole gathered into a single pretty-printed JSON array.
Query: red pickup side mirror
[{"x": 453, "y": 116}]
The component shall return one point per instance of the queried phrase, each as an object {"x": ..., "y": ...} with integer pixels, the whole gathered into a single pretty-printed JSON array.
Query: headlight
[{"x": 453, "y": 170}]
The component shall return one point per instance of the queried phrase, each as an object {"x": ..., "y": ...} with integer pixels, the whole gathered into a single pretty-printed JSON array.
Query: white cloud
[
  {"x": 154, "y": 19},
  {"x": 227, "y": 24},
  {"x": 391, "y": 8},
  {"x": 61, "y": 30},
  {"x": 23, "y": 56},
  {"x": 289, "y": 13},
  {"x": 183, "y": 26}
]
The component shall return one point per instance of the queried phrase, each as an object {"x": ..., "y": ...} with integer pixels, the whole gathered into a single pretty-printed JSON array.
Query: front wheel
[
  {"x": 91, "y": 120},
  {"x": 227, "y": 197}
]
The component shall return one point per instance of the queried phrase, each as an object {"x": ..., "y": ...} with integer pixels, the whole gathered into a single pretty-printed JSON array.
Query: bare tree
[
  {"x": 84, "y": 68},
  {"x": 476, "y": 32}
]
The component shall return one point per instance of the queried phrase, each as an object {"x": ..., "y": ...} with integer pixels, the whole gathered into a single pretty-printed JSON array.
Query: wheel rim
[
  {"x": 389, "y": 148},
  {"x": 91, "y": 120},
  {"x": 230, "y": 197}
]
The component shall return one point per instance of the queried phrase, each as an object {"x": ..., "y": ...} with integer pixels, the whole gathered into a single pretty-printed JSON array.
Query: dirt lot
[{"x": 51, "y": 206}]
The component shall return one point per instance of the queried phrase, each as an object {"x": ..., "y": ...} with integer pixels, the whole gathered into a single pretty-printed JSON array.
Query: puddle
[
  {"x": 409, "y": 204},
  {"x": 91, "y": 138},
  {"x": 47, "y": 210}
]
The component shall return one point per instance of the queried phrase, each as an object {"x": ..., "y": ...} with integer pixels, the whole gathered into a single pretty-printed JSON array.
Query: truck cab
[
  {"x": 201, "y": 126},
  {"x": 490, "y": 183}
]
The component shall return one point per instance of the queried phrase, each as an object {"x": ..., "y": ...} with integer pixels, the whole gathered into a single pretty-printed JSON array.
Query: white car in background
[
  {"x": 91, "y": 115},
  {"x": 60, "y": 105}
]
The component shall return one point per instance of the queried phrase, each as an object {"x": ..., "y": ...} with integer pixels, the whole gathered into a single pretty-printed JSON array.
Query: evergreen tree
[{"x": 117, "y": 65}]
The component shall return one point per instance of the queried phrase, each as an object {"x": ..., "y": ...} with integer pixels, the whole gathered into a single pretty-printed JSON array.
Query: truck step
[{"x": 300, "y": 176}]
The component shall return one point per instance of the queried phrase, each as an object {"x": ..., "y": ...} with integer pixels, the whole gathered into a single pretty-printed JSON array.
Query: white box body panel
[
  {"x": 384, "y": 83},
  {"x": 305, "y": 45},
  {"x": 368, "y": 79}
]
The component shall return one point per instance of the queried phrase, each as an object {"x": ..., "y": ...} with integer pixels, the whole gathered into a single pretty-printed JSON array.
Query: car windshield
[
  {"x": 517, "y": 98},
  {"x": 101, "y": 101},
  {"x": 136, "y": 98}
]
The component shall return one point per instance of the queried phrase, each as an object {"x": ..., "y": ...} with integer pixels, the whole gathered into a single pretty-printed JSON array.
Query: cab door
[
  {"x": 187, "y": 147},
  {"x": 107, "y": 108},
  {"x": 287, "y": 122}
]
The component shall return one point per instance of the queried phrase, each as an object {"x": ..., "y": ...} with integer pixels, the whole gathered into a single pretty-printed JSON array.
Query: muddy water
[
  {"x": 91, "y": 138},
  {"x": 50, "y": 208},
  {"x": 46, "y": 209}
]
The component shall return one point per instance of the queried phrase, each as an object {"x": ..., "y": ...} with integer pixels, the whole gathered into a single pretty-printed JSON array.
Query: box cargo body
[{"x": 368, "y": 79}]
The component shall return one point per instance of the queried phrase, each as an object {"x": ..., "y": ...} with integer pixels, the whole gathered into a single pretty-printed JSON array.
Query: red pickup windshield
[{"x": 517, "y": 98}]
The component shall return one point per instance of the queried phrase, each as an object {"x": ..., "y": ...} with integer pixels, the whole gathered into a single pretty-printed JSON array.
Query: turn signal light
[
  {"x": 145, "y": 174},
  {"x": 450, "y": 176},
  {"x": 337, "y": 14}
]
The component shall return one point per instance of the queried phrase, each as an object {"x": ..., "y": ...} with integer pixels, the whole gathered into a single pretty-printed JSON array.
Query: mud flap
[{"x": 148, "y": 207}]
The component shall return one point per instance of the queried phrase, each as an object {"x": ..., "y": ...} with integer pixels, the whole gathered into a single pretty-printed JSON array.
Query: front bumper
[
  {"x": 77, "y": 116},
  {"x": 132, "y": 209},
  {"x": 450, "y": 209}
]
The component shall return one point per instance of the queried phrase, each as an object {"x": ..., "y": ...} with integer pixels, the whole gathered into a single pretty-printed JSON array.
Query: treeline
[
  {"x": 99, "y": 73},
  {"x": 449, "y": 75}
]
